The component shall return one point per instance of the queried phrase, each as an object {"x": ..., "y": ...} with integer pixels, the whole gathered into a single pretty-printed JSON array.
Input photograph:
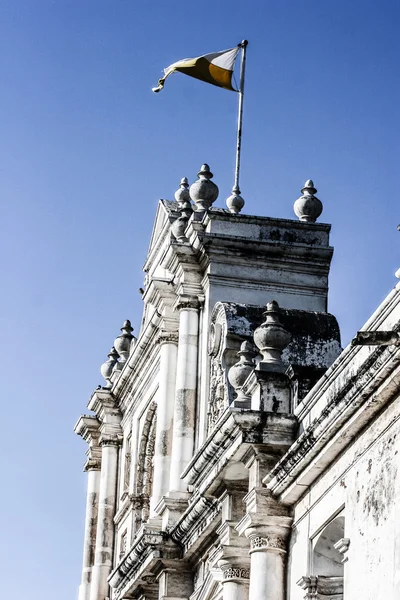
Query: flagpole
[
  {"x": 235, "y": 202},
  {"x": 243, "y": 45}
]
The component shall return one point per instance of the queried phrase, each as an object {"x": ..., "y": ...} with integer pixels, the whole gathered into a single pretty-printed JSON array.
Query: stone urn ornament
[
  {"x": 308, "y": 207},
  {"x": 182, "y": 197},
  {"x": 204, "y": 192},
  {"x": 122, "y": 343},
  {"x": 240, "y": 371},
  {"x": 107, "y": 368},
  {"x": 272, "y": 338}
]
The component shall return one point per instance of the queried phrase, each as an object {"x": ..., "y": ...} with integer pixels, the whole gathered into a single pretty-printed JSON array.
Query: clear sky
[{"x": 86, "y": 151}]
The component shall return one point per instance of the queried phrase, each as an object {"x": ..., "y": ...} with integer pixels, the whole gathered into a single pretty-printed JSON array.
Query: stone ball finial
[
  {"x": 308, "y": 207},
  {"x": 122, "y": 343},
  {"x": 107, "y": 368},
  {"x": 203, "y": 191},
  {"x": 240, "y": 371},
  {"x": 182, "y": 195},
  {"x": 235, "y": 202},
  {"x": 271, "y": 337}
]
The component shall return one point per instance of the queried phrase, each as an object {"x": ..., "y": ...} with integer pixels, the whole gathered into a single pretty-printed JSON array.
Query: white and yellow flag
[{"x": 216, "y": 68}]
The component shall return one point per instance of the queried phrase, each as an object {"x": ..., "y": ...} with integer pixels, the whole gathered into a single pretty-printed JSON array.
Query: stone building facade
[{"x": 236, "y": 451}]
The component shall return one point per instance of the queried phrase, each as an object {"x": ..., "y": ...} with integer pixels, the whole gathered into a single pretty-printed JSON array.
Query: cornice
[
  {"x": 196, "y": 524},
  {"x": 88, "y": 427},
  {"x": 247, "y": 427},
  {"x": 364, "y": 393},
  {"x": 150, "y": 546}
]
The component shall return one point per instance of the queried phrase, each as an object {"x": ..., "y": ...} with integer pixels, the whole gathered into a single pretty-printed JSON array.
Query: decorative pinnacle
[
  {"x": 308, "y": 207},
  {"x": 107, "y": 368},
  {"x": 205, "y": 172},
  {"x": 204, "y": 191},
  {"x": 122, "y": 343},
  {"x": 182, "y": 195},
  {"x": 235, "y": 202},
  {"x": 272, "y": 338},
  {"x": 240, "y": 371}
]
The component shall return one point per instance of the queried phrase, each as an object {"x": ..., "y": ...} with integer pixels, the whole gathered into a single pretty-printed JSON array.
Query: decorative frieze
[
  {"x": 230, "y": 573},
  {"x": 187, "y": 303},
  {"x": 167, "y": 337},
  {"x": 268, "y": 542}
]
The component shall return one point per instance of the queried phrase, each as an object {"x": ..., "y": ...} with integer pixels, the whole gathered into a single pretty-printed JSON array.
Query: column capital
[
  {"x": 237, "y": 573},
  {"x": 167, "y": 337},
  {"x": 110, "y": 440},
  {"x": 268, "y": 539},
  {"x": 92, "y": 464},
  {"x": 267, "y": 523},
  {"x": 88, "y": 427},
  {"x": 188, "y": 302},
  {"x": 233, "y": 562}
]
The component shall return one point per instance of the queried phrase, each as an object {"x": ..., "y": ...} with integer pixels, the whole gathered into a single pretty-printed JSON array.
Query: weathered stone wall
[{"x": 363, "y": 485}]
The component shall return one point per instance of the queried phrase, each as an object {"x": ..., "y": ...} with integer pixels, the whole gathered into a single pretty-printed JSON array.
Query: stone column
[
  {"x": 105, "y": 523},
  {"x": 267, "y": 562},
  {"x": 233, "y": 553},
  {"x": 92, "y": 502},
  {"x": 267, "y": 526},
  {"x": 186, "y": 386},
  {"x": 165, "y": 416},
  {"x": 235, "y": 580},
  {"x": 88, "y": 428},
  {"x": 104, "y": 405}
]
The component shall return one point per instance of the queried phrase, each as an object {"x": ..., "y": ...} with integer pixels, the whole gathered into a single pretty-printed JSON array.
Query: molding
[
  {"x": 109, "y": 440},
  {"x": 269, "y": 542},
  {"x": 368, "y": 389},
  {"x": 92, "y": 464},
  {"x": 167, "y": 337},
  {"x": 188, "y": 302},
  {"x": 235, "y": 574},
  {"x": 248, "y": 426},
  {"x": 194, "y": 520}
]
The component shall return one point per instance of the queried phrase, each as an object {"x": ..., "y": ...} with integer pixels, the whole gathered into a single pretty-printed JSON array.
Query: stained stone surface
[{"x": 263, "y": 476}]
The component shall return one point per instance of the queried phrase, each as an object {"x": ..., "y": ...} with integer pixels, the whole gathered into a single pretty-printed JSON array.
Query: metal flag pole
[{"x": 235, "y": 202}]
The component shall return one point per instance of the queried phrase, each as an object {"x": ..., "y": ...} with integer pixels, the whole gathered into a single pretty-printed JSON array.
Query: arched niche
[{"x": 327, "y": 560}]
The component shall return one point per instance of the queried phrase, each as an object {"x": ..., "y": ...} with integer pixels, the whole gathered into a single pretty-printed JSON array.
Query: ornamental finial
[
  {"x": 122, "y": 343},
  {"x": 272, "y": 338},
  {"x": 182, "y": 196},
  {"x": 240, "y": 371},
  {"x": 203, "y": 191},
  {"x": 235, "y": 202},
  {"x": 107, "y": 368},
  {"x": 308, "y": 207}
]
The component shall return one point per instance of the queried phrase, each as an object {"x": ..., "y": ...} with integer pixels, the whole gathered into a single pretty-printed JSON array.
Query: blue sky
[{"x": 86, "y": 151}]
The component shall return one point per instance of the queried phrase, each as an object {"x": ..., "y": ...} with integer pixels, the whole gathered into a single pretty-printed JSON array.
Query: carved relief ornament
[
  {"x": 268, "y": 542},
  {"x": 235, "y": 573}
]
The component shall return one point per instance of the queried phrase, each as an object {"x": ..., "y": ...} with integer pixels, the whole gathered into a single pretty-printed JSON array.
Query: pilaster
[
  {"x": 104, "y": 404},
  {"x": 89, "y": 428},
  {"x": 185, "y": 391},
  {"x": 267, "y": 527}
]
